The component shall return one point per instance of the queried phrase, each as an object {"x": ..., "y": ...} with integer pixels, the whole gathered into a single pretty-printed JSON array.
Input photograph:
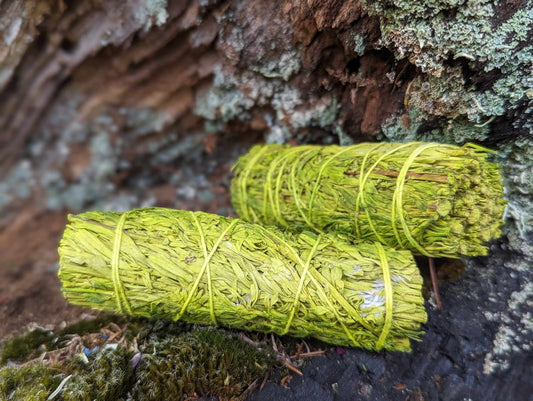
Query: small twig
[
  {"x": 113, "y": 335},
  {"x": 247, "y": 392},
  {"x": 291, "y": 367},
  {"x": 264, "y": 381},
  {"x": 284, "y": 380},
  {"x": 298, "y": 351},
  {"x": 433, "y": 274},
  {"x": 274, "y": 343},
  {"x": 247, "y": 339},
  {"x": 406, "y": 95},
  {"x": 116, "y": 327},
  {"x": 59, "y": 388},
  {"x": 309, "y": 354}
]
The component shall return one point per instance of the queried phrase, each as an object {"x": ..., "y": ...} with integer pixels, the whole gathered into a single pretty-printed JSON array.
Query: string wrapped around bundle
[
  {"x": 433, "y": 199},
  {"x": 207, "y": 269}
]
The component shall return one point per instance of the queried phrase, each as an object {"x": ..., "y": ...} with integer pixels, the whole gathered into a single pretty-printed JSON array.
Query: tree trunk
[{"x": 114, "y": 105}]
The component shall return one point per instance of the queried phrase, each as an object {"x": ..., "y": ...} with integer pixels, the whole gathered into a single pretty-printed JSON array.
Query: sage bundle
[
  {"x": 432, "y": 199},
  {"x": 207, "y": 269}
]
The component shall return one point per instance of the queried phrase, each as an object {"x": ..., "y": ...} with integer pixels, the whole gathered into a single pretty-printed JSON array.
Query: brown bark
[{"x": 103, "y": 57}]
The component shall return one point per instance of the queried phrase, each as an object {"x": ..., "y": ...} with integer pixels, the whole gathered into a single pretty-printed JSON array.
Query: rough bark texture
[{"x": 113, "y": 106}]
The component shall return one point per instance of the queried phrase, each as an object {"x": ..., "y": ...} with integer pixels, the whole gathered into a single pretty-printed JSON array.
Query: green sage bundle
[
  {"x": 433, "y": 199},
  {"x": 208, "y": 269}
]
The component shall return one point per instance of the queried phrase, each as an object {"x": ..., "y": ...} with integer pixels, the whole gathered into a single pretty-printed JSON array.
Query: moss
[
  {"x": 105, "y": 375},
  {"x": 29, "y": 383},
  {"x": 146, "y": 329},
  {"x": 25, "y": 347},
  {"x": 201, "y": 362},
  {"x": 176, "y": 359}
]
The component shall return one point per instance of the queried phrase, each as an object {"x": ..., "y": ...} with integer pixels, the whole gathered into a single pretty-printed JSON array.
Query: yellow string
[
  {"x": 293, "y": 184},
  {"x": 243, "y": 178},
  {"x": 397, "y": 200},
  {"x": 270, "y": 190},
  {"x": 300, "y": 286},
  {"x": 362, "y": 184},
  {"x": 115, "y": 261},
  {"x": 360, "y": 200},
  {"x": 388, "y": 297},
  {"x": 276, "y": 204},
  {"x": 205, "y": 267},
  {"x": 318, "y": 179},
  {"x": 475, "y": 146},
  {"x": 206, "y": 257}
]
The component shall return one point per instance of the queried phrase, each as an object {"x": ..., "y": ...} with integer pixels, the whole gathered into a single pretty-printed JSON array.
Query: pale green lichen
[
  {"x": 144, "y": 121},
  {"x": 234, "y": 97},
  {"x": 443, "y": 37},
  {"x": 94, "y": 182},
  {"x": 224, "y": 101},
  {"x": 446, "y": 131},
  {"x": 516, "y": 160},
  {"x": 323, "y": 114},
  {"x": 510, "y": 338},
  {"x": 287, "y": 65},
  {"x": 429, "y": 33},
  {"x": 17, "y": 184},
  {"x": 360, "y": 44},
  {"x": 151, "y": 12}
]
